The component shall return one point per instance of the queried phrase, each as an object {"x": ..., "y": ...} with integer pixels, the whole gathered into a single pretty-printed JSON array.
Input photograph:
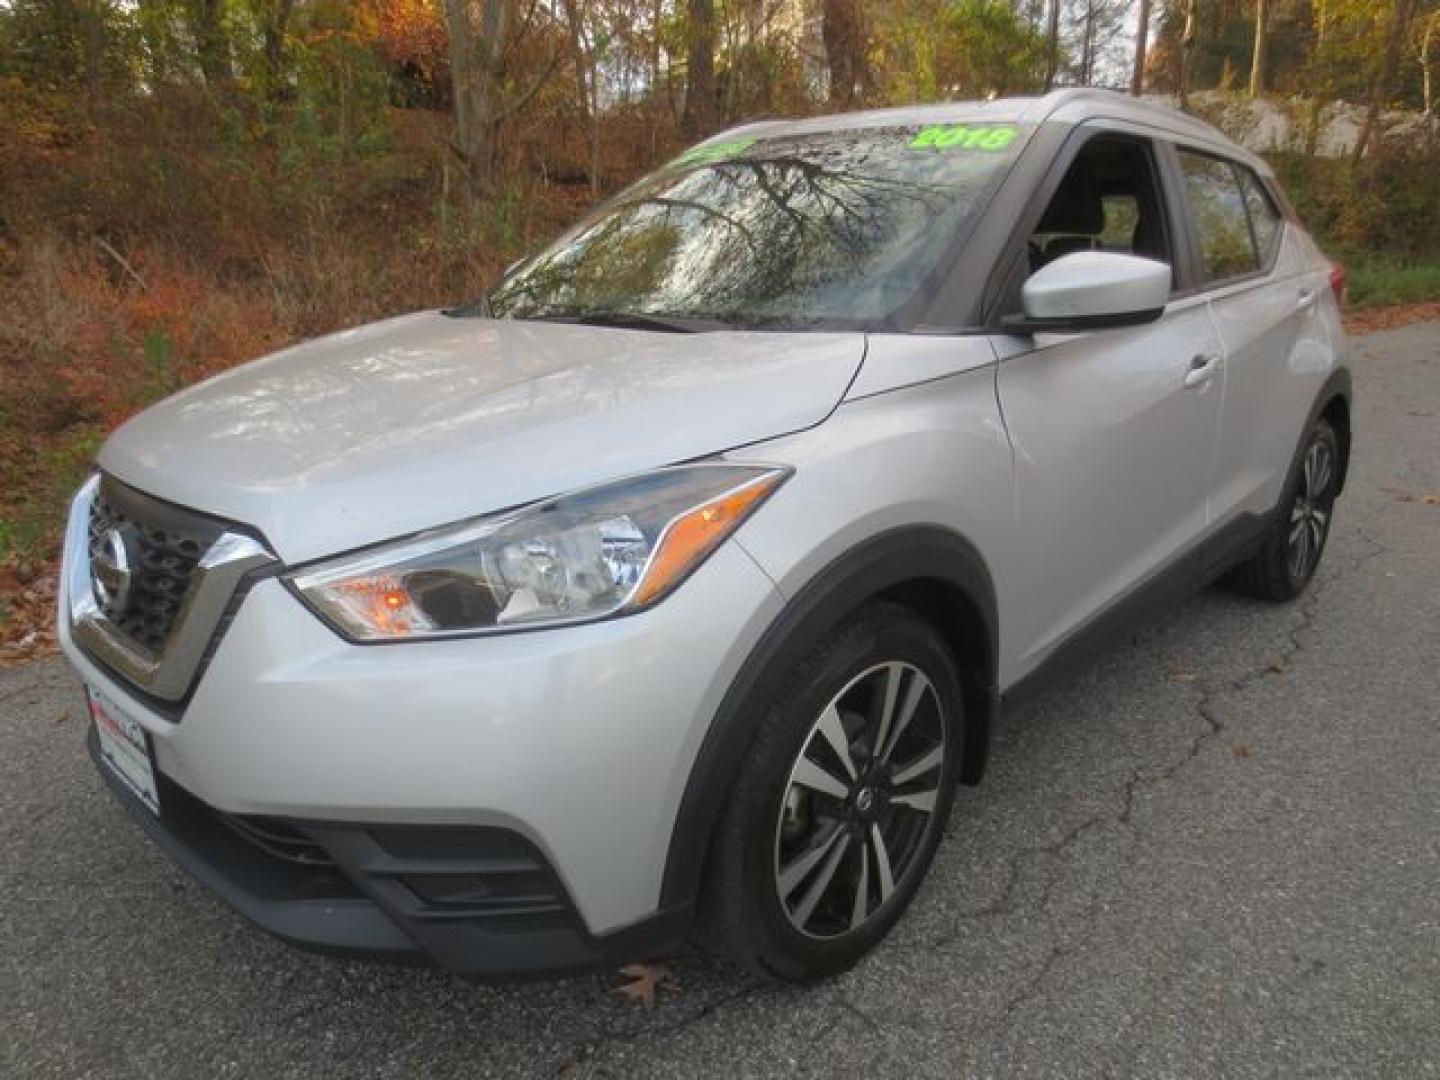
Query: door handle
[
  {"x": 1202, "y": 370},
  {"x": 1306, "y": 298}
]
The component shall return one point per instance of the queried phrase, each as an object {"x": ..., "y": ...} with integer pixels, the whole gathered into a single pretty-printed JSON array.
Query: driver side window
[{"x": 1109, "y": 200}]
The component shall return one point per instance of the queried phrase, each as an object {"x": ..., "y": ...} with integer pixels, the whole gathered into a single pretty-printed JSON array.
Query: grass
[{"x": 1380, "y": 282}]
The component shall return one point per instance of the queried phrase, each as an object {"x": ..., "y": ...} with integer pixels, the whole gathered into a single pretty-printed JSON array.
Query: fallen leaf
[
  {"x": 1398, "y": 494},
  {"x": 1183, "y": 676},
  {"x": 645, "y": 980},
  {"x": 1241, "y": 749},
  {"x": 1401, "y": 495},
  {"x": 1278, "y": 665},
  {"x": 27, "y": 618}
]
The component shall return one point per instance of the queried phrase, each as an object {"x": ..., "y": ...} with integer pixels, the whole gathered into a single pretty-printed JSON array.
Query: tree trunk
[
  {"x": 843, "y": 32},
  {"x": 587, "y": 84},
  {"x": 476, "y": 67},
  {"x": 93, "y": 22},
  {"x": 1142, "y": 34},
  {"x": 1427, "y": 82},
  {"x": 1400, "y": 16},
  {"x": 478, "y": 75},
  {"x": 699, "y": 117},
  {"x": 154, "y": 19},
  {"x": 657, "y": 13},
  {"x": 1052, "y": 46},
  {"x": 277, "y": 26},
  {"x": 212, "y": 43},
  {"x": 1257, "y": 60},
  {"x": 1316, "y": 79},
  {"x": 578, "y": 58},
  {"x": 1188, "y": 39}
]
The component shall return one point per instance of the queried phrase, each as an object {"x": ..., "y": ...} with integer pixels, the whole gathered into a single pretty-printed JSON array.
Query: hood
[{"x": 423, "y": 420}]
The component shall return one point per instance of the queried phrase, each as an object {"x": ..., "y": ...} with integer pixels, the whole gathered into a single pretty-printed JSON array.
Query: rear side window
[
  {"x": 1218, "y": 207},
  {"x": 1264, "y": 218}
]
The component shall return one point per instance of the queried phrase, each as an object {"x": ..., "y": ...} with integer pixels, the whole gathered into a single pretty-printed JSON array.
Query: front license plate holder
[{"x": 124, "y": 748}]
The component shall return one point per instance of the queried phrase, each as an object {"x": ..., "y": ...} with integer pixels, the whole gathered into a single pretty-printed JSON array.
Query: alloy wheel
[
  {"x": 860, "y": 800},
  {"x": 1310, "y": 513}
]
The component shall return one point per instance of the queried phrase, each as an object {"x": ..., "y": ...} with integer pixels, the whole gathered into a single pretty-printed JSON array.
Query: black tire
[
  {"x": 773, "y": 821},
  {"x": 1278, "y": 571}
]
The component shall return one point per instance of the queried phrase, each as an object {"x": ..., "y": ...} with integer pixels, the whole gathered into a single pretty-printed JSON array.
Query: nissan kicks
[{"x": 671, "y": 587}]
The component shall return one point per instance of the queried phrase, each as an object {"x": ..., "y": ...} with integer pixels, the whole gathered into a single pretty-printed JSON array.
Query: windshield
[{"x": 837, "y": 228}]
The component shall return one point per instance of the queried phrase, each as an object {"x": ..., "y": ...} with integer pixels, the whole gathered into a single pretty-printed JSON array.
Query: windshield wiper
[
  {"x": 635, "y": 321},
  {"x": 479, "y": 308}
]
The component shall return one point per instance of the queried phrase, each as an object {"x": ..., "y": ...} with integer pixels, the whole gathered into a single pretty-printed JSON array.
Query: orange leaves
[
  {"x": 116, "y": 346},
  {"x": 412, "y": 33},
  {"x": 1369, "y": 320},
  {"x": 82, "y": 347}
]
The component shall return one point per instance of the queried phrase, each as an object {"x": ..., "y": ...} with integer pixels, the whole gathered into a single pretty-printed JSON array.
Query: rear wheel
[
  {"x": 1284, "y": 566},
  {"x": 840, "y": 801}
]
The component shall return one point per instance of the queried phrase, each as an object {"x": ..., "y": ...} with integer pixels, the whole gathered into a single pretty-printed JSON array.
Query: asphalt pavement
[{"x": 1216, "y": 852}]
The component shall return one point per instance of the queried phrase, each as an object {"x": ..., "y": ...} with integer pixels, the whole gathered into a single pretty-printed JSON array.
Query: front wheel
[
  {"x": 840, "y": 801},
  {"x": 1284, "y": 566}
]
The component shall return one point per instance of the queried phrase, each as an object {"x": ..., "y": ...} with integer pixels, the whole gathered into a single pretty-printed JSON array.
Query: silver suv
[{"x": 675, "y": 584}]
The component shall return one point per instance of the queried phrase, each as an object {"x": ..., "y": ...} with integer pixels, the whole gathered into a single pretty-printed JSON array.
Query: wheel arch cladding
[
  {"x": 933, "y": 571},
  {"x": 1337, "y": 411}
]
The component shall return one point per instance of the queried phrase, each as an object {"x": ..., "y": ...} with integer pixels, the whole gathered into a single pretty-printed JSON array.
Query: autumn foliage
[{"x": 186, "y": 184}]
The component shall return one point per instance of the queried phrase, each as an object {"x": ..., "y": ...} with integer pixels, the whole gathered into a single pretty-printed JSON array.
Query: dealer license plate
[{"x": 124, "y": 748}]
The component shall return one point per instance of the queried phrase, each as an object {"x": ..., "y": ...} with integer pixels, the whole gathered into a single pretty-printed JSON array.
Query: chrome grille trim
[
  {"x": 159, "y": 547},
  {"x": 168, "y": 671}
]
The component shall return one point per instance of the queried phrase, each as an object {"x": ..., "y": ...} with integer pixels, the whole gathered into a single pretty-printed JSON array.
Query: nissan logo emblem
[{"x": 110, "y": 572}]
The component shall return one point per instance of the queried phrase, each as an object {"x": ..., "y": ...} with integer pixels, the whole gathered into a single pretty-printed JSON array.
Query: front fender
[{"x": 952, "y": 574}]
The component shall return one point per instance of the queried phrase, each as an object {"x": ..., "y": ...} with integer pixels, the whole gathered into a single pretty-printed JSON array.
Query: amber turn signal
[{"x": 691, "y": 537}]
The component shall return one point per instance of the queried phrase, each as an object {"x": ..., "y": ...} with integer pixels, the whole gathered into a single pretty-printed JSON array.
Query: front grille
[
  {"x": 151, "y": 585},
  {"x": 166, "y": 544}
]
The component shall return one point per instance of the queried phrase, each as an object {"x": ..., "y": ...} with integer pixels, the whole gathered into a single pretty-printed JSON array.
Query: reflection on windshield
[{"x": 840, "y": 227}]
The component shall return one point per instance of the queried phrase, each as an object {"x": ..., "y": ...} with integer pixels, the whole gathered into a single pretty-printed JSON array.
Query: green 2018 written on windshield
[{"x": 963, "y": 137}]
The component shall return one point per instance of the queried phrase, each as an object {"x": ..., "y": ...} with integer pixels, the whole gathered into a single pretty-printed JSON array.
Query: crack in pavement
[{"x": 1007, "y": 901}]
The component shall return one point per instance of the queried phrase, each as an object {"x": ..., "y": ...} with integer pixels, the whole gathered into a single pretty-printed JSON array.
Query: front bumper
[
  {"x": 567, "y": 747},
  {"x": 477, "y": 901}
]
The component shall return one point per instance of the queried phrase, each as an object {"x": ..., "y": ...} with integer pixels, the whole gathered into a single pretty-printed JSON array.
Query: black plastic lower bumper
[{"x": 477, "y": 901}]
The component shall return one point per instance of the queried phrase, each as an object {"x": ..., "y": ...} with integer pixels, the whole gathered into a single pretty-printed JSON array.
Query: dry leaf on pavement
[{"x": 645, "y": 979}]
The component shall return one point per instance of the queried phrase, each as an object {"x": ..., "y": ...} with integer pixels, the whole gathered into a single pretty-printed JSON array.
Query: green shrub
[
  {"x": 1385, "y": 207},
  {"x": 1380, "y": 282}
]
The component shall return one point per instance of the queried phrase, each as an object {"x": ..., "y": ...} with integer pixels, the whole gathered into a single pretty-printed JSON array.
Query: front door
[{"x": 1114, "y": 432}]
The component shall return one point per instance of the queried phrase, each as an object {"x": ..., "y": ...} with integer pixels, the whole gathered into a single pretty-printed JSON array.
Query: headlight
[{"x": 606, "y": 550}]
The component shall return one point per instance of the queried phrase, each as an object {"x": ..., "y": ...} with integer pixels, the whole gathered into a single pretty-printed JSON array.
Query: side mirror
[{"x": 1092, "y": 290}]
